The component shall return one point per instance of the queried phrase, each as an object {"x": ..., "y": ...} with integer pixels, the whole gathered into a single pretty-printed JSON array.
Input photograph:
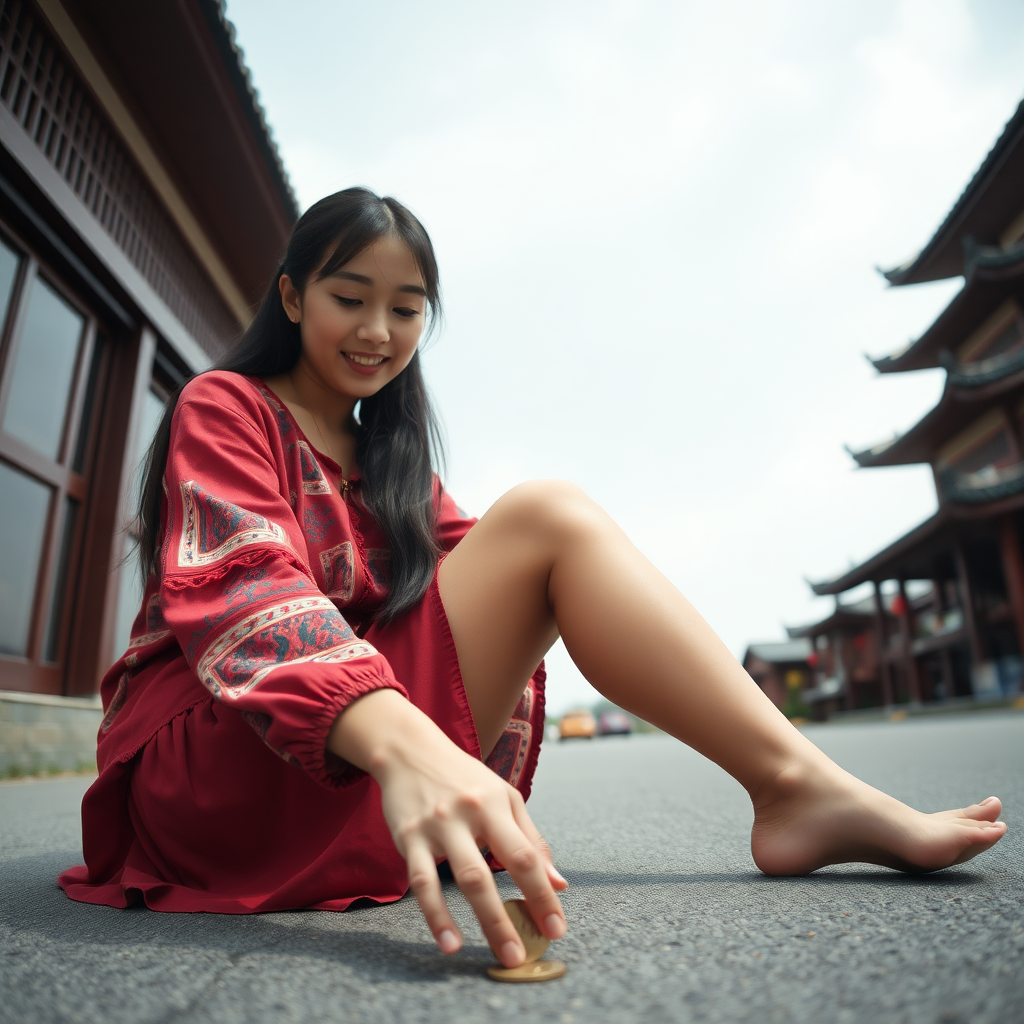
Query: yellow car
[{"x": 578, "y": 724}]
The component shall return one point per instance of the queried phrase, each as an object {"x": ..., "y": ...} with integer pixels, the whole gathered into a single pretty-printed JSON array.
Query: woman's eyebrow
[{"x": 413, "y": 289}]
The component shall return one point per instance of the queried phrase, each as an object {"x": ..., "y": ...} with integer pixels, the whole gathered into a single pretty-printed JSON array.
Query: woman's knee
[{"x": 555, "y": 511}]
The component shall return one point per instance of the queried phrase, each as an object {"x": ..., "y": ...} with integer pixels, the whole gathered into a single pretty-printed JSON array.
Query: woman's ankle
[{"x": 797, "y": 777}]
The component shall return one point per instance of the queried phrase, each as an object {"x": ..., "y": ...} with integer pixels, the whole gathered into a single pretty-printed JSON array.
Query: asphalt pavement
[{"x": 668, "y": 918}]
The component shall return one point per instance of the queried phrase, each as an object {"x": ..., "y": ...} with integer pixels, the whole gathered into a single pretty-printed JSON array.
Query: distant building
[
  {"x": 143, "y": 208},
  {"x": 782, "y": 670},
  {"x": 953, "y": 623},
  {"x": 845, "y": 656}
]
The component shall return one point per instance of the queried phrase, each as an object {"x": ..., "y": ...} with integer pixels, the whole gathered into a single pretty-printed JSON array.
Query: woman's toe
[
  {"x": 987, "y": 810},
  {"x": 980, "y": 838}
]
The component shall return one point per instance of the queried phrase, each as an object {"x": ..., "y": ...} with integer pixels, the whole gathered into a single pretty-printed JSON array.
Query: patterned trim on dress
[
  {"x": 508, "y": 758},
  {"x": 116, "y": 702},
  {"x": 378, "y": 565},
  {"x": 135, "y": 645},
  {"x": 283, "y": 424},
  {"x": 313, "y": 479},
  {"x": 214, "y": 528},
  {"x": 338, "y": 565},
  {"x": 305, "y": 630},
  {"x": 154, "y": 615}
]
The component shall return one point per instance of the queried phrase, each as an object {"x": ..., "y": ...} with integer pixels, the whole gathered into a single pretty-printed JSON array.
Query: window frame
[{"x": 32, "y": 672}]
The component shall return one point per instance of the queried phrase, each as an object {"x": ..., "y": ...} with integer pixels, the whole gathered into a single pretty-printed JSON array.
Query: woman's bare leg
[{"x": 545, "y": 561}]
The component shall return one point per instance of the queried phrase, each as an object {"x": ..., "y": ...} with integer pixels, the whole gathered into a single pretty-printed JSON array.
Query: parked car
[
  {"x": 577, "y": 724},
  {"x": 614, "y": 723}
]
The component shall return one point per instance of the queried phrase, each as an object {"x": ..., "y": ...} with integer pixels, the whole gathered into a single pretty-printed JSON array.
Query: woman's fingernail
[
  {"x": 555, "y": 875},
  {"x": 554, "y": 926},
  {"x": 511, "y": 954},
  {"x": 448, "y": 941},
  {"x": 987, "y": 800}
]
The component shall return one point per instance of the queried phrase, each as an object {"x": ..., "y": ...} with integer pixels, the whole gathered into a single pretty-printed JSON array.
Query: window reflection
[
  {"x": 8, "y": 272},
  {"x": 129, "y": 597},
  {"x": 24, "y": 504},
  {"x": 89, "y": 406},
  {"x": 59, "y": 590},
  {"x": 43, "y": 370}
]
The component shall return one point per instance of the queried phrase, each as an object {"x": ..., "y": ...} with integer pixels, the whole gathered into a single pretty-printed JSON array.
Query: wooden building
[
  {"x": 143, "y": 208},
  {"x": 953, "y": 624},
  {"x": 845, "y": 661},
  {"x": 782, "y": 670}
]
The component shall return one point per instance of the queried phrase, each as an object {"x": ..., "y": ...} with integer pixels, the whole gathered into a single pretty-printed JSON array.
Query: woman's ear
[{"x": 290, "y": 298}]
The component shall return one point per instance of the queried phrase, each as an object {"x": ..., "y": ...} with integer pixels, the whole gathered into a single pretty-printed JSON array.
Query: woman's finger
[
  {"x": 426, "y": 887},
  {"x": 474, "y": 878},
  {"x": 523, "y": 859},
  {"x": 525, "y": 822}
]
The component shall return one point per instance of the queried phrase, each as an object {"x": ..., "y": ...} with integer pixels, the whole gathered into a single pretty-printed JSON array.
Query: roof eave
[
  {"x": 225, "y": 37},
  {"x": 926, "y": 265},
  {"x": 871, "y": 569}
]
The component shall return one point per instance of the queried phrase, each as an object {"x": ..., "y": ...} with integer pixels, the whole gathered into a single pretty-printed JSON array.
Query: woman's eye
[
  {"x": 346, "y": 301},
  {"x": 409, "y": 313}
]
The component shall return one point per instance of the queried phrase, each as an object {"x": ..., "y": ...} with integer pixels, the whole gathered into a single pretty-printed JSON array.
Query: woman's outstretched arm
[
  {"x": 545, "y": 560},
  {"x": 442, "y": 803}
]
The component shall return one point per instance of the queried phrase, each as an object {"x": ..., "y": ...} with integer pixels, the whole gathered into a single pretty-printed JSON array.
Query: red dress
[{"x": 215, "y": 791}]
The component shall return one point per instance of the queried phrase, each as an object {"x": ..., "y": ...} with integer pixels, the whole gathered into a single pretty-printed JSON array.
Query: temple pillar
[
  {"x": 966, "y": 590},
  {"x": 883, "y": 664},
  {"x": 1013, "y": 573},
  {"x": 909, "y": 661}
]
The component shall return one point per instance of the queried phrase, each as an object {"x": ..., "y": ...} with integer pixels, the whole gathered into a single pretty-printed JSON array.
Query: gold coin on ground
[
  {"x": 535, "y": 943},
  {"x": 538, "y": 970}
]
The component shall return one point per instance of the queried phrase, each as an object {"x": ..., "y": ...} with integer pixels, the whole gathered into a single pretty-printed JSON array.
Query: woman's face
[{"x": 360, "y": 325}]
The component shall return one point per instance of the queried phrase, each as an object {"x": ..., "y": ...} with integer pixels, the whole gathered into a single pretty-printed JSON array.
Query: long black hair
[{"x": 398, "y": 440}]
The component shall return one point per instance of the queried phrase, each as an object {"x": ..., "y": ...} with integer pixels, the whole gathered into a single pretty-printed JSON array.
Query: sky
[{"x": 658, "y": 225}]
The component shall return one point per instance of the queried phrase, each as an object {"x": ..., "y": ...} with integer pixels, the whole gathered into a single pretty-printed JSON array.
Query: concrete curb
[{"x": 42, "y": 734}]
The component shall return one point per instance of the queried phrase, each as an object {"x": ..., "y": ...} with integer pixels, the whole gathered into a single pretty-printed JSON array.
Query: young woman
[{"x": 333, "y": 684}]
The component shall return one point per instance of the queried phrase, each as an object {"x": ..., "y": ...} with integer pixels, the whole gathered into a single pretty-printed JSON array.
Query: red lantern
[
  {"x": 812, "y": 659},
  {"x": 899, "y": 605}
]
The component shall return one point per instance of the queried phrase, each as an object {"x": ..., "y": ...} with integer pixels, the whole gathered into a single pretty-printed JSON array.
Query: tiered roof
[
  {"x": 979, "y": 213},
  {"x": 990, "y": 279}
]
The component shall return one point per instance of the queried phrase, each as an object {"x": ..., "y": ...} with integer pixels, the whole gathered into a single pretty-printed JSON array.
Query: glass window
[
  {"x": 24, "y": 504},
  {"x": 152, "y": 414},
  {"x": 43, "y": 371},
  {"x": 8, "y": 272},
  {"x": 89, "y": 406},
  {"x": 60, "y": 581}
]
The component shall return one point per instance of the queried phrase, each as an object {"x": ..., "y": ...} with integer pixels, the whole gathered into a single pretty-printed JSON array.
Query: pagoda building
[{"x": 951, "y": 623}]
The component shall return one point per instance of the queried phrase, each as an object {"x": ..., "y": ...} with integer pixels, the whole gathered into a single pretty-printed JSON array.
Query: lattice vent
[{"x": 40, "y": 86}]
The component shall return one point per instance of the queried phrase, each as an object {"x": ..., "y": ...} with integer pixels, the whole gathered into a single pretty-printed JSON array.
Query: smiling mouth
[{"x": 364, "y": 360}]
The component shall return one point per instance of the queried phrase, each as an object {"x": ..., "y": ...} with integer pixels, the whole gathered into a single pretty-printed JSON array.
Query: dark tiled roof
[
  {"x": 990, "y": 276},
  {"x": 952, "y": 231},
  {"x": 224, "y": 35}
]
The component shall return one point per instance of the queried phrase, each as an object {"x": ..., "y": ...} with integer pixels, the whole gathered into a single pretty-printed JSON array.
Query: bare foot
[{"x": 805, "y": 819}]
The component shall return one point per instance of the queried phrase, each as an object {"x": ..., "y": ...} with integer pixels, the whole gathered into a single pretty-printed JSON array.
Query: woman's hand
[{"x": 441, "y": 803}]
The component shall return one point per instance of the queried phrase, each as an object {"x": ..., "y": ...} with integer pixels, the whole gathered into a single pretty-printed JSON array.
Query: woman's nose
[{"x": 374, "y": 328}]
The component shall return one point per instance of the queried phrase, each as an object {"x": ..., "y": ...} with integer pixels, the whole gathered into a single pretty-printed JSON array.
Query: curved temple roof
[
  {"x": 992, "y": 275},
  {"x": 954, "y": 411},
  {"x": 978, "y": 213}
]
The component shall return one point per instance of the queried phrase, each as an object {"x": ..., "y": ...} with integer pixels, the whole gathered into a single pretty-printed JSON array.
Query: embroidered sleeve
[{"x": 238, "y": 594}]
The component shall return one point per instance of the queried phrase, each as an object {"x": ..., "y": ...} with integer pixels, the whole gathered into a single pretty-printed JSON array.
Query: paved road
[{"x": 669, "y": 921}]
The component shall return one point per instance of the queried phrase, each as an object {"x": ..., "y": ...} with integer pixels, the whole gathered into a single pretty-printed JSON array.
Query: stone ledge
[{"x": 43, "y": 733}]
